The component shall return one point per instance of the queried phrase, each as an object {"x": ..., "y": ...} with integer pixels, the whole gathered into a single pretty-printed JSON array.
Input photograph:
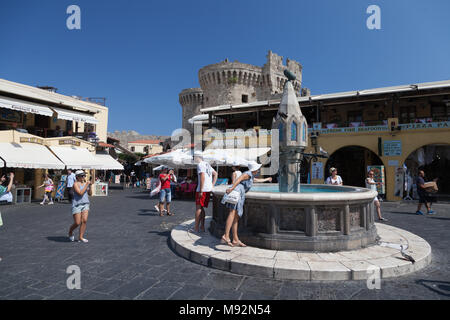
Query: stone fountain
[{"x": 288, "y": 216}]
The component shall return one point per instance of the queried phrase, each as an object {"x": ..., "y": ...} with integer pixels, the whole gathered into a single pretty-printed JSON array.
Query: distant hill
[{"x": 126, "y": 136}]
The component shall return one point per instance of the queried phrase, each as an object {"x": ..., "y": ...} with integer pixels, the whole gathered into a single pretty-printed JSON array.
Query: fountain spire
[{"x": 293, "y": 137}]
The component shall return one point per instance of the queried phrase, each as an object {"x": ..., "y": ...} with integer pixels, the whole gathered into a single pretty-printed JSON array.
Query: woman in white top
[
  {"x": 236, "y": 174},
  {"x": 334, "y": 179},
  {"x": 372, "y": 185}
]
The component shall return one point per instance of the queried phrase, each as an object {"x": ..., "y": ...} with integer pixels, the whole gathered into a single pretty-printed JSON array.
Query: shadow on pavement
[
  {"x": 440, "y": 287},
  {"x": 409, "y": 213},
  {"x": 59, "y": 239},
  {"x": 148, "y": 212},
  {"x": 439, "y": 218}
]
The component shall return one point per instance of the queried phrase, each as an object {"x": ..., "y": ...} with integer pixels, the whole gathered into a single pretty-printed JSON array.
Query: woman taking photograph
[
  {"x": 334, "y": 179},
  {"x": 48, "y": 184},
  {"x": 241, "y": 185},
  {"x": 80, "y": 205}
]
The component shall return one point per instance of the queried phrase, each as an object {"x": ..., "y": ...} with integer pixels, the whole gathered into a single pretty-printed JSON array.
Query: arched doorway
[
  {"x": 351, "y": 163},
  {"x": 434, "y": 159}
]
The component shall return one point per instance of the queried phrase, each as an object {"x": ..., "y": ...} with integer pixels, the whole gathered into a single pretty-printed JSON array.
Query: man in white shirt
[
  {"x": 70, "y": 181},
  {"x": 207, "y": 178}
]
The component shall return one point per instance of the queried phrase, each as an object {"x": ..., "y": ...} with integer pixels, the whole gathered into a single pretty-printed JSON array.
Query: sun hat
[
  {"x": 80, "y": 173},
  {"x": 253, "y": 166}
]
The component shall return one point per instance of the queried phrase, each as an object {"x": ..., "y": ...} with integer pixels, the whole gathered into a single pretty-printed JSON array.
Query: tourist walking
[
  {"x": 372, "y": 185},
  {"x": 6, "y": 183},
  {"x": 236, "y": 173},
  {"x": 242, "y": 185},
  {"x": 334, "y": 179},
  {"x": 48, "y": 189},
  {"x": 80, "y": 205},
  {"x": 70, "y": 181},
  {"x": 133, "y": 179},
  {"x": 424, "y": 197},
  {"x": 165, "y": 194},
  {"x": 207, "y": 178}
]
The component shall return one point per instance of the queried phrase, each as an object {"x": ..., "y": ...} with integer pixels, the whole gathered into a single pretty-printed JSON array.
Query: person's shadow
[
  {"x": 440, "y": 287},
  {"x": 148, "y": 212},
  {"x": 58, "y": 239}
]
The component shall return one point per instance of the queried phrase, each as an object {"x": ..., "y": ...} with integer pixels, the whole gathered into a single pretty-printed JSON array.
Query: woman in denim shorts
[{"x": 80, "y": 205}]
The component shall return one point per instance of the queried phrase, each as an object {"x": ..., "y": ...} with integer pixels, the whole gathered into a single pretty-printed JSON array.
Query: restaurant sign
[
  {"x": 70, "y": 142},
  {"x": 350, "y": 129},
  {"x": 31, "y": 140}
]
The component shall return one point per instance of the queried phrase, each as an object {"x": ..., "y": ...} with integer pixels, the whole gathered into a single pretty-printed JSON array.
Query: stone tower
[
  {"x": 236, "y": 83},
  {"x": 191, "y": 101},
  {"x": 293, "y": 139}
]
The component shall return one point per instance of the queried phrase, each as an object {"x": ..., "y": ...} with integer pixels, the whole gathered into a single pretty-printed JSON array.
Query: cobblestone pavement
[{"x": 129, "y": 257}]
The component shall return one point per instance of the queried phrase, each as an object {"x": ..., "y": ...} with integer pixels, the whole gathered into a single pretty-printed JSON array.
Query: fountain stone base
[{"x": 305, "y": 221}]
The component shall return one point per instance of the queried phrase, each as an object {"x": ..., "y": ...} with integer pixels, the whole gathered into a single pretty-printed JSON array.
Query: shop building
[
  {"x": 147, "y": 147},
  {"x": 43, "y": 131},
  {"x": 396, "y": 129}
]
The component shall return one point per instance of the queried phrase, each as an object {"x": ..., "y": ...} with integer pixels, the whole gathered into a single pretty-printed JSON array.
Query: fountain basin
[{"x": 321, "y": 218}]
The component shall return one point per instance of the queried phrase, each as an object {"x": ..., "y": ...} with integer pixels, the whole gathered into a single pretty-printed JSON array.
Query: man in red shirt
[{"x": 165, "y": 193}]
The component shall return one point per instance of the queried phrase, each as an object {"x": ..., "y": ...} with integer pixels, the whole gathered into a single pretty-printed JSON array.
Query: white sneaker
[
  {"x": 84, "y": 240},
  {"x": 42, "y": 203},
  {"x": 156, "y": 207},
  {"x": 72, "y": 238},
  {"x": 51, "y": 202}
]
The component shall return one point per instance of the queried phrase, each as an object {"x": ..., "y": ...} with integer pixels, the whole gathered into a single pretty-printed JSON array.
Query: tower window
[
  {"x": 294, "y": 131},
  {"x": 245, "y": 98}
]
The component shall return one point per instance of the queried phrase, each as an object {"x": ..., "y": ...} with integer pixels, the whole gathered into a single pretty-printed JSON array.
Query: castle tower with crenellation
[{"x": 237, "y": 83}]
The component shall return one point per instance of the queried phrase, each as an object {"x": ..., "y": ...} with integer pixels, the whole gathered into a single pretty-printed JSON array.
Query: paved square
[{"x": 129, "y": 257}]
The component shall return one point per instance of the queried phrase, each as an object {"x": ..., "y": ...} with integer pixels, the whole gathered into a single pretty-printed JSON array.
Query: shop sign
[
  {"x": 31, "y": 140},
  {"x": 350, "y": 129},
  {"x": 10, "y": 115},
  {"x": 392, "y": 148},
  {"x": 317, "y": 170},
  {"x": 70, "y": 142},
  {"x": 430, "y": 125},
  {"x": 393, "y": 163}
]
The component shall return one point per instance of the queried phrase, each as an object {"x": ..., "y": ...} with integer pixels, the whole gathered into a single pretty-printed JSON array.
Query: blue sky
[{"x": 141, "y": 54}]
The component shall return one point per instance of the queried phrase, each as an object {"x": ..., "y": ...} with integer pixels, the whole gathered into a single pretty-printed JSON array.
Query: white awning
[
  {"x": 28, "y": 155},
  {"x": 77, "y": 158},
  {"x": 74, "y": 116},
  {"x": 108, "y": 162},
  {"x": 25, "y": 106}
]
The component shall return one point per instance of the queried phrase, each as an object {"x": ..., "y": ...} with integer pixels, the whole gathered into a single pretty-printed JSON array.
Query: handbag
[{"x": 233, "y": 197}]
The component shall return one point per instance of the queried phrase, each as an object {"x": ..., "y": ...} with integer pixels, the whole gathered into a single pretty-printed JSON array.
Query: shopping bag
[
  {"x": 233, "y": 197},
  {"x": 156, "y": 190}
]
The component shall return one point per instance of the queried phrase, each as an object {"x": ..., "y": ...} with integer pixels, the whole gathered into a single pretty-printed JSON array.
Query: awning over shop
[
  {"x": 74, "y": 116},
  {"x": 28, "y": 155},
  {"x": 25, "y": 106},
  {"x": 77, "y": 158},
  {"x": 108, "y": 162}
]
